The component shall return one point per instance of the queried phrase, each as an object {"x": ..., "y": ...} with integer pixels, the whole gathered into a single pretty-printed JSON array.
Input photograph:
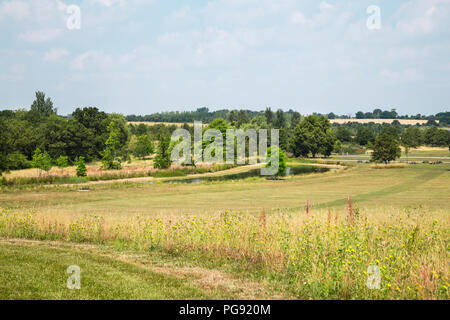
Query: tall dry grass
[{"x": 322, "y": 255}]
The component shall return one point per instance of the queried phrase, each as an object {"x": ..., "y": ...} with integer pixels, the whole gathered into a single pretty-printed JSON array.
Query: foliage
[
  {"x": 41, "y": 161},
  {"x": 62, "y": 162},
  {"x": 281, "y": 160},
  {"x": 17, "y": 161},
  {"x": 386, "y": 148},
  {"x": 110, "y": 160},
  {"x": 41, "y": 106},
  {"x": 143, "y": 147},
  {"x": 162, "y": 159},
  {"x": 364, "y": 135},
  {"x": 81, "y": 167},
  {"x": 312, "y": 135}
]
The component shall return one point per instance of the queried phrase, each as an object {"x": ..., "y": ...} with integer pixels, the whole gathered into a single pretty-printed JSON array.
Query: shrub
[
  {"x": 17, "y": 161},
  {"x": 81, "y": 168}
]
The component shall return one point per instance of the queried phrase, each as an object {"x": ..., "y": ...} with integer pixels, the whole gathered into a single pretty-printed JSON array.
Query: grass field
[
  {"x": 251, "y": 229},
  {"x": 108, "y": 275}
]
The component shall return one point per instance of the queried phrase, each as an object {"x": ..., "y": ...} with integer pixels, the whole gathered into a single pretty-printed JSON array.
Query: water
[{"x": 297, "y": 170}]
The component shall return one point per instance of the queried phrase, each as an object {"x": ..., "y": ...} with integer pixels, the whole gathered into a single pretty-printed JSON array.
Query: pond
[{"x": 290, "y": 171}]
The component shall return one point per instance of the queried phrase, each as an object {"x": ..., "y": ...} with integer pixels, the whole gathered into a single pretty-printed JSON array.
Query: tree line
[
  {"x": 40, "y": 137},
  {"x": 207, "y": 116}
]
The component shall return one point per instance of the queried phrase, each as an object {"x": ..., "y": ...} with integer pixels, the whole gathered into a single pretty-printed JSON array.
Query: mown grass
[
  {"x": 377, "y": 191},
  {"x": 39, "y": 273}
]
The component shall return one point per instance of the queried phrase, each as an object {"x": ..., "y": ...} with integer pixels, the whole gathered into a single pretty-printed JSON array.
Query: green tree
[
  {"x": 42, "y": 106},
  {"x": 242, "y": 118},
  {"x": 386, "y": 148},
  {"x": 364, "y": 135},
  {"x": 343, "y": 134},
  {"x": 295, "y": 120},
  {"x": 112, "y": 144},
  {"x": 81, "y": 167},
  {"x": 410, "y": 138},
  {"x": 162, "y": 158},
  {"x": 269, "y": 116},
  {"x": 337, "y": 146},
  {"x": 312, "y": 135},
  {"x": 3, "y": 163},
  {"x": 17, "y": 161},
  {"x": 41, "y": 161},
  {"x": 144, "y": 147},
  {"x": 281, "y": 160},
  {"x": 62, "y": 162}
]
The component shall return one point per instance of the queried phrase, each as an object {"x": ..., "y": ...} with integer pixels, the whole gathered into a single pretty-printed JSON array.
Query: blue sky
[{"x": 145, "y": 56}]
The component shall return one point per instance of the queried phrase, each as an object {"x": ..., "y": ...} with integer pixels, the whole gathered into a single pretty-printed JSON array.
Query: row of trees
[
  {"x": 96, "y": 135},
  {"x": 365, "y": 134},
  {"x": 243, "y": 116}
]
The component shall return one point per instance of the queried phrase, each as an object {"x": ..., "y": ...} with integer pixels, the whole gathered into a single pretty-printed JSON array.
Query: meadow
[{"x": 309, "y": 236}]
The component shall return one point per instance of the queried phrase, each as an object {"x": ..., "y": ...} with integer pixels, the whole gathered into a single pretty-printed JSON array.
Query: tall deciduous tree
[
  {"x": 41, "y": 161},
  {"x": 62, "y": 162},
  {"x": 42, "y": 106},
  {"x": 313, "y": 135},
  {"x": 364, "y": 135},
  {"x": 386, "y": 148},
  {"x": 411, "y": 138},
  {"x": 112, "y": 144},
  {"x": 144, "y": 147},
  {"x": 162, "y": 159}
]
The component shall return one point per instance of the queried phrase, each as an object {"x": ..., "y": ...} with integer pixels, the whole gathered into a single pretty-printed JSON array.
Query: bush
[
  {"x": 81, "y": 168},
  {"x": 17, "y": 161}
]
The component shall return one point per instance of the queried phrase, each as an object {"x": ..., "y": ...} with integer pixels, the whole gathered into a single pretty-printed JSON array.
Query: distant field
[
  {"x": 381, "y": 121},
  {"x": 150, "y": 123}
]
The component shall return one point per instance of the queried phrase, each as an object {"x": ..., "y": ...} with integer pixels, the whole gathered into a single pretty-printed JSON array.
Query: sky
[{"x": 146, "y": 56}]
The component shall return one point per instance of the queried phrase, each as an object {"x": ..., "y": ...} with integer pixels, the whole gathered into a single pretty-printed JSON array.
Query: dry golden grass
[
  {"x": 150, "y": 123},
  {"x": 380, "y": 121},
  {"x": 388, "y": 166},
  {"x": 320, "y": 254}
]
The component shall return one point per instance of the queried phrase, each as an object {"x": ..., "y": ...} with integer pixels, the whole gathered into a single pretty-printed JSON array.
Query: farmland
[{"x": 246, "y": 229}]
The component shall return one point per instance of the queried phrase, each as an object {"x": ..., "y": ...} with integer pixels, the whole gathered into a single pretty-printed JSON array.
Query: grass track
[{"x": 37, "y": 270}]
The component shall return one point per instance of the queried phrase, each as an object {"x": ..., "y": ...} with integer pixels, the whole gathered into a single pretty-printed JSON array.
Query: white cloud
[
  {"x": 55, "y": 54},
  {"x": 92, "y": 59},
  {"x": 42, "y": 35},
  {"x": 325, "y": 5},
  {"x": 407, "y": 75},
  {"x": 298, "y": 18},
  {"x": 15, "y": 9},
  {"x": 423, "y": 17},
  {"x": 122, "y": 3},
  {"x": 181, "y": 13}
]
